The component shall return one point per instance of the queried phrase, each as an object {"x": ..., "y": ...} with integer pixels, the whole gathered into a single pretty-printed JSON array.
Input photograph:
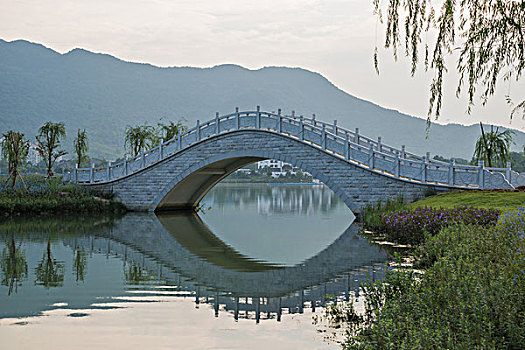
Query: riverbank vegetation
[
  {"x": 51, "y": 195},
  {"x": 469, "y": 287}
]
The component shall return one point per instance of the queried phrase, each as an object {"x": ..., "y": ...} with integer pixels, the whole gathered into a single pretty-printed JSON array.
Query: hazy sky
[{"x": 333, "y": 37}]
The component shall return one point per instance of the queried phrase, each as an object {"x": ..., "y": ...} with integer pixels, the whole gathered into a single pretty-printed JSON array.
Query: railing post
[
  {"x": 109, "y": 171},
  {"x": 397, "y": 165},
  {"x": 508, "y": 173},
  {"x": 237, "y": 124},
  {"x": 198, "y": 130},
  {"x": 143, "y": 159},
  {"x": 313, "y": 119},
  {"x": 371, "y": 156},
  {"x": 301, "y": 127},
  {"x": 323, "y": 137},
  {"x": 451, "y": 172},
  {"x": 379, "y": 144},
  {"x": 76, "y": 173},
  {"x": 428, "y": 157},
  {"x": 347, "y": 145},
  {"x": 217, "y": 126},
  {"x": 161, "y": 149},
  {"x": 481, "y": 174},
  {"x": 335, "y": 127},
  {"x": 293, "y": 114},
  {"x": 91, "y": 173},
  {"x": 357, "y": 135},
  {"x": 423, "y": 169},
  {"x": 403, "y": 152},
  {"x": 279, "y": 121},
  {"x": 258, "y": 118},
  {"x": 126, "y": 165},
  {"x": 179, "y": 142}
]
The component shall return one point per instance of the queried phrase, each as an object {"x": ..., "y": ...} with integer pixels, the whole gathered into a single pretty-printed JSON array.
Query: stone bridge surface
[{"x": 178, "y": 173}]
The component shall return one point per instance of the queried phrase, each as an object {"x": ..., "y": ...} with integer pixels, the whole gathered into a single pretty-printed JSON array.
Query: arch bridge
[{"x": 179, "y": 172}]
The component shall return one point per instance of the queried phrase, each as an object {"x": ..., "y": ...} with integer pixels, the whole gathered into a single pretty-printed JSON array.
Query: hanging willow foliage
[{"x": 489, "y": 34}]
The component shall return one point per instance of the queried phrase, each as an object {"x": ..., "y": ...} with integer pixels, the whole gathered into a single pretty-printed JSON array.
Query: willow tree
[
  {"x": 493, "y": 147},
  {"x": 80, "y": 145},
  {"x": 171, "y": 130},
  {"x": 14, "y": 151},
  {"x": 488, "y": 34},
  {"x": 48, "y": 143},
  {"x": 138, "y": 138}
]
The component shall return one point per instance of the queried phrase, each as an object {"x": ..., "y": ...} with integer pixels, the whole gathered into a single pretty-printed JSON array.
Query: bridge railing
[{"x": 331, "y": 138}]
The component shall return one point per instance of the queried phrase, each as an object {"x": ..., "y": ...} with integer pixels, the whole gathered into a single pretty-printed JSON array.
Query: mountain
[{"x": 104, "y": 94}]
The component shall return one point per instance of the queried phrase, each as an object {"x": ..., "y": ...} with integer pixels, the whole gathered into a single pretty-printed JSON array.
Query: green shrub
[{"x": 470, "y": 297}]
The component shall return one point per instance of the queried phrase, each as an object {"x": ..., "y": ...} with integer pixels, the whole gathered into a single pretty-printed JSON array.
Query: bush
[
  {"x": 45, "y": 195},
  {"x": 470, "y": 297}
]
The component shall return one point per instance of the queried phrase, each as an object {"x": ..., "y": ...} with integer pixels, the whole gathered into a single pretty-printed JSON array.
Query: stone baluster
[
  {"x": 301, "y": 128},
  {"x": 258, "y": 118},
  {"x": 335, "y": 127},
  {"x": 279, "y": 121},
  {"x": 217, "y": 126},
  {"x": 198, "y": 130},
  {"x": 451, "y": 172},
  {"x": 481, "y": 174},
  {"x": 347, "y": 145},
  {"x": 109, "y": 171},
  {"x": 423, "y": 169},
  {"x": 403, "y": 152},
  {"x": 323, "y": 136},
  {"x": 357, "y": 135},
  {"x": 126, "y": 165},
  {"x": 371, "y": 156},
  {"x": 397, "y": 165},
  {"x": 161, "y": 149},
  {"x": 313, "y": 119},
  {"x": 379, "y": 145},
  {"x": 237, "y": 122}
]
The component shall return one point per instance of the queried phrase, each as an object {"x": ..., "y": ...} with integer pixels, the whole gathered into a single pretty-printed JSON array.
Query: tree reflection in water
[
  {"x": 135, "y": 274},
  {"x": 13, "y": 264},
  {"x": 80, "y": 264},
  {"x": 49, "y": 272}
]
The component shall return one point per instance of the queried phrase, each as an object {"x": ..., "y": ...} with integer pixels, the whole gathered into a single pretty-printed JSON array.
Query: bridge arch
[{"x": 182, "y": 179}]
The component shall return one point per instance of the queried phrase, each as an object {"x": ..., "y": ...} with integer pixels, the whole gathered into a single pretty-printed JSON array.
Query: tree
[
  {"x": 14, "y": 150},
  {"x": 493, "y": 147},
  {"x": 48, "y": 143},
  {"x": 80, "y": 144},
  {"x": 171, "y": 130},
  {"x": 13, "y": 264},
  {"x": 491, "y": 36},
  {"x": 138, "y": 138}
]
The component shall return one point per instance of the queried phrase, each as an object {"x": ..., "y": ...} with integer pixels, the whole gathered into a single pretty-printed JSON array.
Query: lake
[{"x": 248, "y": 271}]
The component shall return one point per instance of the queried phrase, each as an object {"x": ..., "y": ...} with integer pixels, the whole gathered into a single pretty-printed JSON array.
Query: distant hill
[{"x": 104, "y": 94}]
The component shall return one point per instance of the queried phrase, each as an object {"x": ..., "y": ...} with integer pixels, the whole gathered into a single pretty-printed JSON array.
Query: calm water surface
[{"x": 248, "y": 271}]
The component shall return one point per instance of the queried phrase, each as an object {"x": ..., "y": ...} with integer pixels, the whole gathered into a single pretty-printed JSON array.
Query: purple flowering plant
[{"x": 409, "y": 226}]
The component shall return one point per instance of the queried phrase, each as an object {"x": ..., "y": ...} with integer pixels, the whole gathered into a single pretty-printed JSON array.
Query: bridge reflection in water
[
  {"x": 183, "y": 255},
  {"x": 146, "y": 255}
]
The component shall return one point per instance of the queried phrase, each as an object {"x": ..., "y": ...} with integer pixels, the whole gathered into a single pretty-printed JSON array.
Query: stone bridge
[{"x": 178, "y": 173}]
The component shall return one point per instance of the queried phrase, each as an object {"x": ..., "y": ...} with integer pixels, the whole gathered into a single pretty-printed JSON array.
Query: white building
[
  {"x": 278, "y": 168},
  {"x": 33, "y": 156}
]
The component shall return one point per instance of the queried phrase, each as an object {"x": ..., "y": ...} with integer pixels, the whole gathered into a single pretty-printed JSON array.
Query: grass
[{"x": 505, "y": 201}]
